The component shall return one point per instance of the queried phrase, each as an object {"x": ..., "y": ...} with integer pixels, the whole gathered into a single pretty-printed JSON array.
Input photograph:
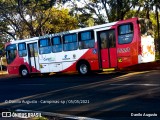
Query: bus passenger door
[
  {"x": 107, "y": 48},
  {"x": 33, "y": 57}
]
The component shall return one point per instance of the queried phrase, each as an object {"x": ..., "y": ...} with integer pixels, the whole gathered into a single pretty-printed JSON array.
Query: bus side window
[
  {"x": 56, "y": 44},
  {"x": 86, "y": 40},
  {"x": 22, "y": 50},
  {"x": 125, "y": 33},
  {"x": 112, "y": 39},
  {"x": 44, "y": 45},
  {"x": 11, "y": 52},
  {"x": 70, "y": 42},
  {"x": 103, "y": 38}
]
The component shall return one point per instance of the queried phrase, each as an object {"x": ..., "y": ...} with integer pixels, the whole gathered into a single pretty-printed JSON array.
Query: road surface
[{"x": 101, "y": 96}]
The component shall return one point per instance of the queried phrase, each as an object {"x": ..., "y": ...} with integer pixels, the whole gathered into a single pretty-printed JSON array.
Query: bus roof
[
  {"x": 25, "y": 40},
  {"x": 73, "y": 31}
]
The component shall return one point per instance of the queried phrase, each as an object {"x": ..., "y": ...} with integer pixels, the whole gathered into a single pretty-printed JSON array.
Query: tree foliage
[
  {"x": 59, "y": 21},
  {"x": 29, "y": 18},
  {"x": 103, "y": 10}
]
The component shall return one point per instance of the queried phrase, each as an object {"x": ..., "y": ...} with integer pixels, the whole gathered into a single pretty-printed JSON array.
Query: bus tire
[
  {"x": 83, "y": 68},
  {"x": 24, "y": 72}
]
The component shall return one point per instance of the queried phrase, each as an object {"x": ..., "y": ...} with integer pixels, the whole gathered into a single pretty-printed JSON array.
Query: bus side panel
[
  {"x": 70, "y": 68},
  {"x": 128, "y": 53},
  {"x": 124, "y": 55},
  {"x": 134, "y": 51},
  {"x": 91, "y": 56},
  {"x": 113, "y": 57},
  {"x": 14, "y": 67},
  {"x": 105, "y": 58},
  {"x": 13, "y": 70},
  {"x": 136, "y": 44},
  {"x": 94, "y": 64}
]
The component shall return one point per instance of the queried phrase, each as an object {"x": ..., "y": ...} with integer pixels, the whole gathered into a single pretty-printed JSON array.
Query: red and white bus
[{"x": 113, "y": 45}]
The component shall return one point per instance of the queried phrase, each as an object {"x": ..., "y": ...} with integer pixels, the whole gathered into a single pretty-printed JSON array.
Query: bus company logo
[
  {"x": 123, "y": 50},
  {"x": 49, "y": 59},
  {"x": 65, "y": 57}
]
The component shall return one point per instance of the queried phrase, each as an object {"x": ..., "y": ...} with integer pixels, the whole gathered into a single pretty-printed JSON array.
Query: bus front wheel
[
  {"x": 24, "y": 72},
  {"x": 83, "y": 68}
]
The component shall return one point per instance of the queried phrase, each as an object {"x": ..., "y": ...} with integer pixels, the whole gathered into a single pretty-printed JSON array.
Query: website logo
[{"x": 6, "y": 114}]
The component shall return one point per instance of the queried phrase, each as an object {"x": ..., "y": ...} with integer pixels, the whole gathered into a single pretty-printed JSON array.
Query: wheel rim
[
  {"x": 83, "y": 69},
  {"x": 24, "y": 72}
]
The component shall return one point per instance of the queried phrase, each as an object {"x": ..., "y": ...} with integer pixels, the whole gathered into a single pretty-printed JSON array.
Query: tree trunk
[
  {"x": 137, "y": 12},
  {"x": 119, "y": 9},
  {"x": 147, "y": 14}
]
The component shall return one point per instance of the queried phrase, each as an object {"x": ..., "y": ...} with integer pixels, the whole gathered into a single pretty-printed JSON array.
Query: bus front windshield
[
  {"x": 11, "y": 51},
  {"x": 145, "y": 26}
]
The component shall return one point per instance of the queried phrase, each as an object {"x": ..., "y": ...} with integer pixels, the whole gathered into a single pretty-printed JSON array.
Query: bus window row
[
  {"x": 70, "y": 42},
  {"x": 74, "y": 41},
  {"x": 83, "y": 40}
]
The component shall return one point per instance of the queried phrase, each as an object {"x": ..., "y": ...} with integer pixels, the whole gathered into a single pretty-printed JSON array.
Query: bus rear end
[{"x": 135, "y": 42}]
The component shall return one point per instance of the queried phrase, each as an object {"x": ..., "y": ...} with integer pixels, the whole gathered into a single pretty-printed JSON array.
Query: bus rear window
[
  {"x": 11, "y": 52},
  {"x": 125, "y": 33},
  {"x": 44, "y": 46}
]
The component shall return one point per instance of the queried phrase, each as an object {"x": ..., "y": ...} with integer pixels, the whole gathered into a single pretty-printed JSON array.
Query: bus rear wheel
[
  {"x": 24, "y": 72},
  {"x": 83, "y": 68}
]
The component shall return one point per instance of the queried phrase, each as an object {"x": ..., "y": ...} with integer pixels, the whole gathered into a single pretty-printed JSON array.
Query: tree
[
  {"x": 149, "y": 6},
  {"x": 29, "y": 18},
  {"x": 59, "y": 21},
  {"x": 103, "y": 11},
  {"x": 3, "y": 39}
]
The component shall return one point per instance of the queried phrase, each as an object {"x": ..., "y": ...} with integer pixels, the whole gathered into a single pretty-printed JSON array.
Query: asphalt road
[{"x": 115, "y": 96}]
